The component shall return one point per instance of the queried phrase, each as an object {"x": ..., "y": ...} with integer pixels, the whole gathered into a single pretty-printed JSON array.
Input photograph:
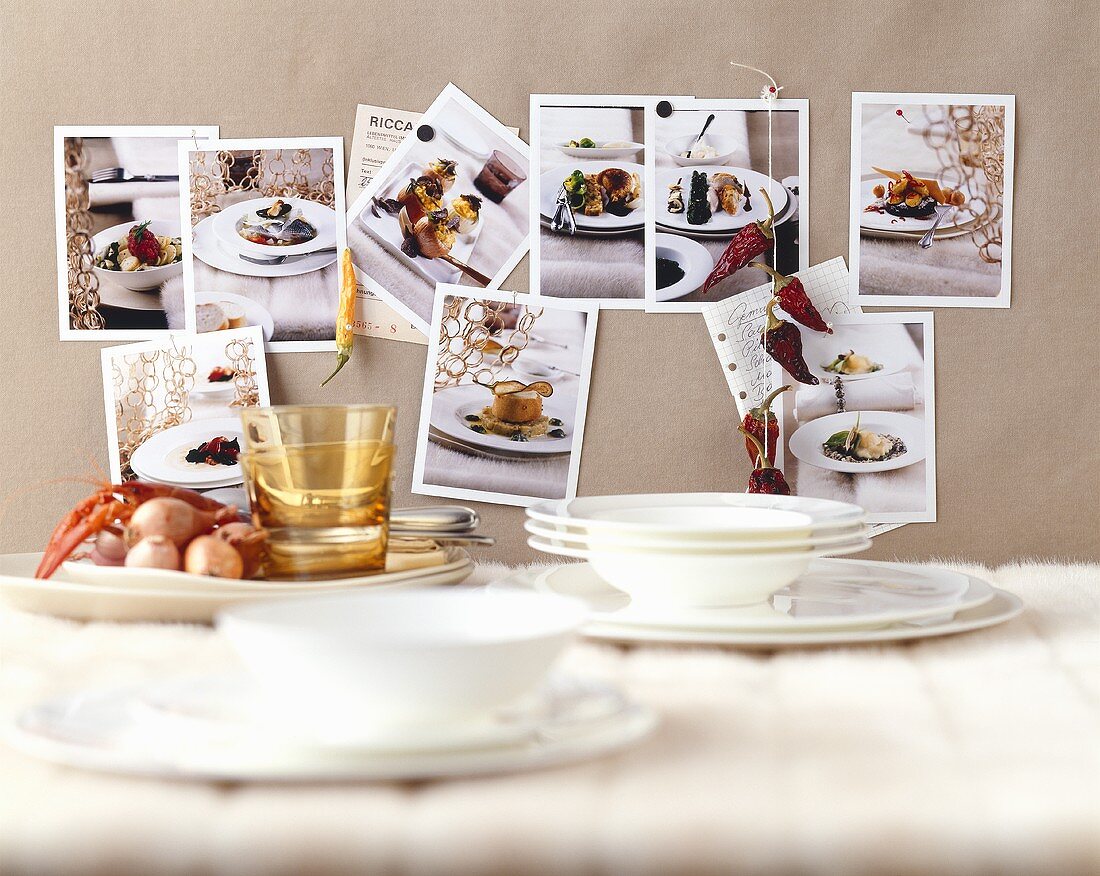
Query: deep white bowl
[
  {"x": 409, "y": 659},
  {"x": 144, "y": 280},
  {"x": 725, "y": 147},
  {"x": 321, "y": 217}
]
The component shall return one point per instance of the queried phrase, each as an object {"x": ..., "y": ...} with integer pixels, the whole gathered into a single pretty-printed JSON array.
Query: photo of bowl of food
[
  {"x": 852, "y": 352},
  {"x": 710, "y": 149},
  {"x": 275, "y": 226},
  {"x": 198, "y": 454},
  {"x": 588, "y": 148},
  {"x": 138, "y": 256},
  {"x": 682, "y": 266},
  {"x": 604, "y": 198},
  {"x": 859, "y": 442}
]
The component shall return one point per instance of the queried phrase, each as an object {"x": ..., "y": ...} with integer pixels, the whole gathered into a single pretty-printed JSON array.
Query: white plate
[
  {"x": 550, "y": 184},
  {"x": 561, "y": 535},
  {"x": 320, "y": 216},
  {"x": 137, "y": 281},
  {"x": 710, "y": 558},
  {"x": 254, "y": 312},
  {"x": 62, "y": 596},
  {"x": 832, "y": 594},
  {"x": 725, "y": 146},
  {"x": 386, "y": 229},
  {"x": 602, "y": 153},
  {"x": 720, "y": 222},
  {"x": 820, "y": 349},
  {"x": 692, "y": 257},
  {"x": 206, "y": 247},
  {"x": 1004, "y": 606},
  {"x": 886, "y": 222},
  {"x": 161, "y": 457},
  {"x": 450, "y": 406},
  {"x": 719, "y": 516},
  {"x": 807, "y": 439},
  {"x": 699, "y": 232},
  {"x": 116, "y": 732}
]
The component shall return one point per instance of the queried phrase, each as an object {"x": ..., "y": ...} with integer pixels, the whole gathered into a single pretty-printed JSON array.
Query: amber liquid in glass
[{"x": 325, "y": 506}]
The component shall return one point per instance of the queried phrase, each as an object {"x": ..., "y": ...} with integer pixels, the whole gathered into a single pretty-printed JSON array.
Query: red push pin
[{"x": 902, "y": 115}]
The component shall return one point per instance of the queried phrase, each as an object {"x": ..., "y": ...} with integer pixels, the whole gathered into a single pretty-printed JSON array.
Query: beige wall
[{"x": 1000, "y": 374}]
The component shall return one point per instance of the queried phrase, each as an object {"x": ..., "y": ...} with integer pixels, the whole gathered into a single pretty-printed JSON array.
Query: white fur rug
[{"x": 975, "y": 754}]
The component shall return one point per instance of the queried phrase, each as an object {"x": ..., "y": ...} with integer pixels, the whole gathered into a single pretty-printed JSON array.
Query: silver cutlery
[
  {"x": 941, "y": 212},
  {"x": 118, "y": 174},
  {"x": 695, "y": 142},
  {"x": 435, "y": 518},
  {"x": 480, "y": 540},
  {"x": 540, "y": 367},
  {"x": 278, "y": 260},
  {"x": 563, "y": 219}
]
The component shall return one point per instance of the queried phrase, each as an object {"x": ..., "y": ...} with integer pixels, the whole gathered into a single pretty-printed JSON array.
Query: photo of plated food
[
  {"x": 119, "y": 238},
  {"x": 866, "y": 432},
  {"x": 721, "y": 178},
  {"x": 931, "y": 199},
  {"x": 504, "y": 399},
  {"x": 589, "y": 207},
  {"x": 449, "y": 206},
  {"x": 172, "y": 406},
  {"x": 266, "y": 220}
]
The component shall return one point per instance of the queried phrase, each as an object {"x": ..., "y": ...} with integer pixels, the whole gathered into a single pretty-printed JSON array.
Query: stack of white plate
[{"x": 743, "y": 569}]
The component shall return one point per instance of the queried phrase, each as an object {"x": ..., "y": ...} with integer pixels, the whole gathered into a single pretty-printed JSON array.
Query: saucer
[{"x": 192, "y": 732}]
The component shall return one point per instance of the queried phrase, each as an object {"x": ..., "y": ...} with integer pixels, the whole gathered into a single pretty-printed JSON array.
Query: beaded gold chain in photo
[
  {"x": 83, "y": 284},
  {"x": 466, "y": 335}
]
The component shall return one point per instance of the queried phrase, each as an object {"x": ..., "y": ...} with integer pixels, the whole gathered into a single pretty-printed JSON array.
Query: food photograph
[
  {"x": 857, "y": 414},
  {"x": 726, "y": 191},
  {"x": 450, "y": 205},
  {"x": 173, "y": 406},
  {"x": 266, "y": 224},
  {"x": 505, "y": 397},
  {"x": 119, "y": 242},
  {"x": 588, "y": 200},
  {"x": 931, "y": 210}
]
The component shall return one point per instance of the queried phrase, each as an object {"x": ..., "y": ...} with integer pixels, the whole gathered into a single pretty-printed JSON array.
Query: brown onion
[
  {"x": 109, "y": 547},
  {"x": 154, "y": 552},
  {"x": 210, "y": 555},
  {"x": 172, "y": 518}
]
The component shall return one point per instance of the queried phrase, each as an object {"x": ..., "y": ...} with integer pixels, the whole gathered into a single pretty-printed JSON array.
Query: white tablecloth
[{"x": 974, "y": 754}]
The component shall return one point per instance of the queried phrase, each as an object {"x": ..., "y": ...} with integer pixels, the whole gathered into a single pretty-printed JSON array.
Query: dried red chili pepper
[
  {"x": 783, "y": 342},
  {"x": 761, "y": 423},
  {"x": 794, "y": 300},
  {"x": 765, "y": 478},
  {"x": 752, "y": 240}
]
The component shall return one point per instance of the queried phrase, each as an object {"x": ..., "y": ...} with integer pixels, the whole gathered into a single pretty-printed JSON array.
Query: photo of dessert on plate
[
  {"x": 720, "y": 182},
  {"x": 931, "y": 200},
  {"x": 119, "y": 234},
  {"x": 866, "y": 432},
  {"x": 504, "y": 400},
  {"x": 450, "y": 205},
  {"x": 266, "y": 223},
  {"x": 172, "y": 406},
  {"x": 589, "y": 201}
]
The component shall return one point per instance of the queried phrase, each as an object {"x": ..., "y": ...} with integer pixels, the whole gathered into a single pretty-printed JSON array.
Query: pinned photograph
[
  {"x": 119, "y": 238},
  {"x": 729, "y": 184},
  {"x": 858, "y": 421},
  {"x": 505, "y": 396},
  {"x": 449, "y": 206},
  {"x": 173, "y": 405},
  {"x": 266, "y": 226},
  {"x": 588, "y": 206},
  {"x": 931, "y": 199}
]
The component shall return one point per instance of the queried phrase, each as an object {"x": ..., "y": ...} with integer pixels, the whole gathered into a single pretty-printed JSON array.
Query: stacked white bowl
[{"x": 697, "y": 549}]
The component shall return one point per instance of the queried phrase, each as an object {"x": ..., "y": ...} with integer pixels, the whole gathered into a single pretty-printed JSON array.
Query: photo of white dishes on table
[
  {"x": 742, "y": 569},
  {"x": 411, "y": 685},
  {"x": 580, "y": 185},
  {"x": 716, "y": 200},
  {"x": 202, "y": 454}
]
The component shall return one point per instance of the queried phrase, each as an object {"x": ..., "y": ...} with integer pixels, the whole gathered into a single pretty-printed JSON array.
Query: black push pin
[
  {"x": 664, "y": 109},
  {"x": 425, "y": 133}
]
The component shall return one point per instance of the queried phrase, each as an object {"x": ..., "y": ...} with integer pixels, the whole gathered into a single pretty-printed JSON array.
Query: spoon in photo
[
  {"x": 695, "y": 142},
  {"x": 941, "y": 213},
  {"x": 118, "y": 174},
  {"x": 421, "y": 239},
  {"x": 278, "y": 260}
]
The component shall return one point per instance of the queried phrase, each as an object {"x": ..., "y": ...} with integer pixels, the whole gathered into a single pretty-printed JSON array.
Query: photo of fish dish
[{"x": 277, "y": 224}]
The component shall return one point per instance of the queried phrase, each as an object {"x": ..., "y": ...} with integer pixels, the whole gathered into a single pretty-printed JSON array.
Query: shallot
[
  {"x": 174, "y": 519},
  {"x": 109, "y": 549},
  {"x": 154, "y": 552},
  {"x": 210, "y": 555}
]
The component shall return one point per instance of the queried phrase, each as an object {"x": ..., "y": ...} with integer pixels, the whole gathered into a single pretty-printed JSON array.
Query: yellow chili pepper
[{"x": 345, "y": 315}]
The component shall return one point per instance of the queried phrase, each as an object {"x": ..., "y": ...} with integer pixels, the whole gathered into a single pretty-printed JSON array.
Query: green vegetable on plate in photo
[
  {"x": 575, "y": 187},
  {"x": 582, "y": 143}
]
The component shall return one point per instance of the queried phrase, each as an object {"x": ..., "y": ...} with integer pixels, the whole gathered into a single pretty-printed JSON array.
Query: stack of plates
[{"x": 745, "y": 570}]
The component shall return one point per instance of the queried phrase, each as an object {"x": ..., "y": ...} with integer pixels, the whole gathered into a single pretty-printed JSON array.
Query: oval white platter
[
  {"x": 550, "y": 184},
  {"x": 806, "y": 441},
  {"x": 161, "y": 457},
  {"x": 720, "y": 221},
  {"x": 450, "y": 407}
]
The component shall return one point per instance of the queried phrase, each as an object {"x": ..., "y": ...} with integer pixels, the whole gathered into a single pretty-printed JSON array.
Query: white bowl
[
  {"x": 144, "y": 280},
  {"x": 697, "y": 579},
  {"x": 725, "y": 147},
  {"x": 387, "y": 661},
  {"x": 322, "y": 218}
]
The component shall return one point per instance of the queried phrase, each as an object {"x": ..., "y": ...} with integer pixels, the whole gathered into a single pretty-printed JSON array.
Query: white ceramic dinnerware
[
  {"x": 208, "y": 248},
  {"x": 550, "y": 184},
  {"x": 146, "y": 279},
  {"x": 320, "y": 216},
  {"x": 723, "y": 146},
  {"x": 806, "y": 441},
  {"x": 254, "y": 312},
  {"x": 628, "y": 149},
  {"x": 720, "y": 222},
  {"x": 693, "y": 259},
  {"x": 402, "y": 662},
  {"x": 885, "y": 222},
  {"x": 452, "y": 405},
  {"x": 163, "y": 457},
  {"x": 820, "y": 349},
  {"x": 217, "y": 728}
]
